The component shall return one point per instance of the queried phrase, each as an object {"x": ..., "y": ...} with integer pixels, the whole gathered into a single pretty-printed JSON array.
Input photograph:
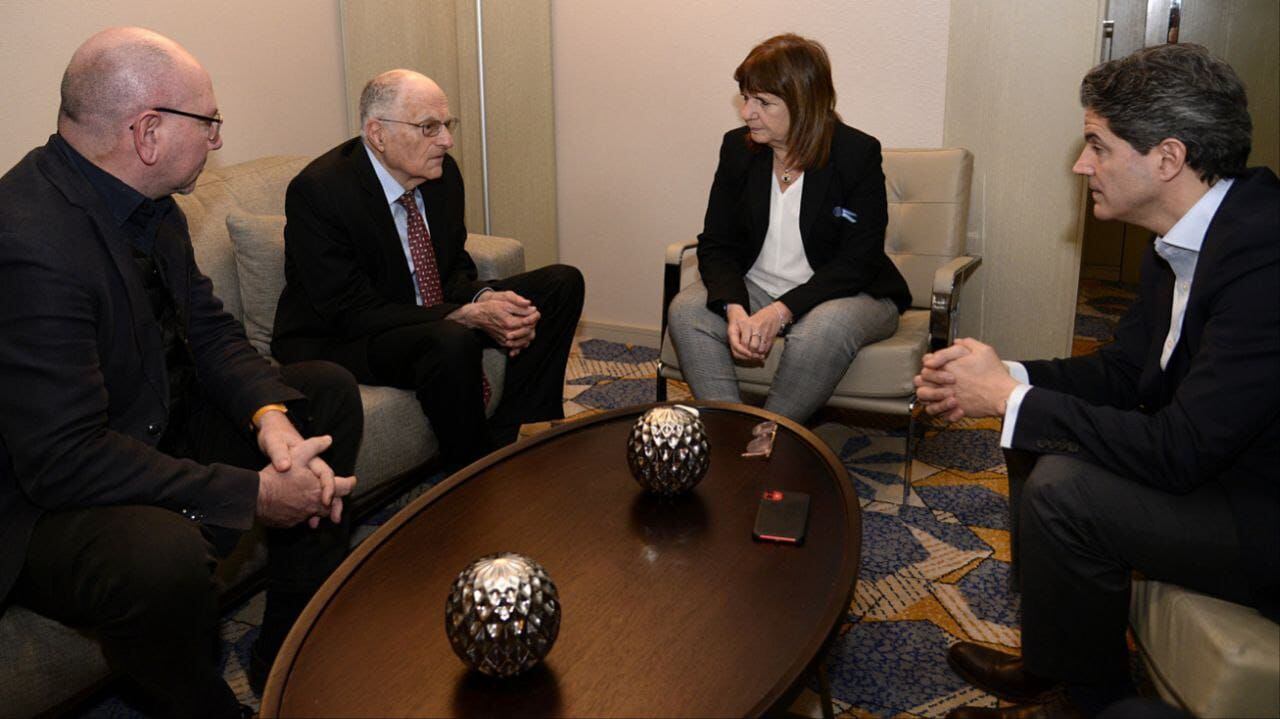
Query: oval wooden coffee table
[{"x": 669, "y": 607}]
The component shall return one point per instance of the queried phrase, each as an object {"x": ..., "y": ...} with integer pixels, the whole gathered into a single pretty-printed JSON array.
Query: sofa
[{"x": 236, "y": 220}]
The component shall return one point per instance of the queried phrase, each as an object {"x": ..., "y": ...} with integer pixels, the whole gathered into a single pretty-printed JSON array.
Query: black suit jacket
[
  {"x": 345, "y": 271},
  {"x": 846, "y": 257},
  {"x": 84, "y": 394},
  {"x": 1213, "y": 414}
]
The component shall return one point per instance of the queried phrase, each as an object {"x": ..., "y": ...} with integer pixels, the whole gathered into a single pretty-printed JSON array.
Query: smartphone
[{"x": 782, "y": 517}]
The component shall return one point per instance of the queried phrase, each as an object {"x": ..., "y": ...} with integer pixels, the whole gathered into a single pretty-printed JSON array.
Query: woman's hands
[{"x": 751, "y": 336}]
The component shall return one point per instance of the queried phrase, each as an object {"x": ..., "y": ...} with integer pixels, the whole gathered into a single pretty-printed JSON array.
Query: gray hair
[
  {"x": 103, "y": 85},
  {"x": 380, "y": 95},
  {"x": 1175, "y": 91}
]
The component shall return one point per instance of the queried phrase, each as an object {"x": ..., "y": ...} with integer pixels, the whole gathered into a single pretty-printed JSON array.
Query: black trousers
[
  {"x": 1079, "y": 531},
  {"x": 141, "y": 578},
  {"x": 441, "y": 362}
]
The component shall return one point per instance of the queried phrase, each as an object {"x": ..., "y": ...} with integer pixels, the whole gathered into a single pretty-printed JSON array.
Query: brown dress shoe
[
  {"x": 1057, "y": 707},
  {"x": 996, "y": 672}
]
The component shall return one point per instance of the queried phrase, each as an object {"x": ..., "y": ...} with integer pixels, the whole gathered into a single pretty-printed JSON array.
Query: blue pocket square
[{"x": 845, "y": 214}]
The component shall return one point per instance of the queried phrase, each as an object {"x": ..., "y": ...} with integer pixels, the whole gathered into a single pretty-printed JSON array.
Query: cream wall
[
  {"x": 644, "y": 91},
  {"x": 438, "y": 38},
  {"x": 1013, "y": 85},
  {"x": 276, "y": 67}
]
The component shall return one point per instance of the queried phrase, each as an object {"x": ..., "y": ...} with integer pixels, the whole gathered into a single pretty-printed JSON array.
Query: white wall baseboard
[{"x": 627, "y": 334}]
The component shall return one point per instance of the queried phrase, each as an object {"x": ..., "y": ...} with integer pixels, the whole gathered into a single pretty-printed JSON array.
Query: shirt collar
[
  {"x": 138, "y": 215},
  {"x": 121, "y": 199},
  {"x": 1188, "y": 232},
  {"x": 392, "y": 189}
]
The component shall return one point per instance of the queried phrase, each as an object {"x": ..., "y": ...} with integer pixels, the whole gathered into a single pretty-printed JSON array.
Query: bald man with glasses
[
  {"x": 379, "y": 281},
  {"x": 140, "y": 433}
]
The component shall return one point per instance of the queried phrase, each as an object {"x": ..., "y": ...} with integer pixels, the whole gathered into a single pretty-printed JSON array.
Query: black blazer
[
  {"x": 846, "y": 257},
  {"x": 346, "y": 277},
  {"x": 84, "y": 394},
  {"x": 1213, "y": 414}
]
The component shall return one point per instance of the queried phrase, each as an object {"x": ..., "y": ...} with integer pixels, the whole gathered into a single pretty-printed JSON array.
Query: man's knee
[
  {"x": 325, "y": 384},
  {"x": 567, "y": 281},
  {"x": 1053, "y": 489},
  {"x": 161, "y": 566},
  {"x": 453, "y": 348}
]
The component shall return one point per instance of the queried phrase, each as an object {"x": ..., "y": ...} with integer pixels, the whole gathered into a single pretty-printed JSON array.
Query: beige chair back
[{"x": 928, "y": 193}]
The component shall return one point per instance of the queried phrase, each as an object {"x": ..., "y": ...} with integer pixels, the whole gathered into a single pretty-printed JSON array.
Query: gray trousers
[
  {"x": 819, "y": 347},
  {"x": 1079, "y": 531}
]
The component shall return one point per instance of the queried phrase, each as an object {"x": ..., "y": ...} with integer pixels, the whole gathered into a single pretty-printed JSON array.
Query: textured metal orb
[
  {"x": 667, "y": 451},
  {"x": 502, "y": 614}
]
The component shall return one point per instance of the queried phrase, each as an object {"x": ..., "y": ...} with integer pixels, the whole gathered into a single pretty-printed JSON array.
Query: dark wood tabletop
[{"x": 669, "y": 607}]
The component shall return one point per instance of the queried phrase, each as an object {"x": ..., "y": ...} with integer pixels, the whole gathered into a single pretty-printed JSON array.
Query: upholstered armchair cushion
[
  {"x": 1216, "y": 658},
  {"x": 258, "y": 242}
]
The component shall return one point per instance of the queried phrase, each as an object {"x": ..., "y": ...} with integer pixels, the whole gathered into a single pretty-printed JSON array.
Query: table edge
[{"x": 273, "y": 693}]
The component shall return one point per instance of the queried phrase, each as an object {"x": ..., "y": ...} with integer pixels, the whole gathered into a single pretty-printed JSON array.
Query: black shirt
[{"x": 141, "y": 218}]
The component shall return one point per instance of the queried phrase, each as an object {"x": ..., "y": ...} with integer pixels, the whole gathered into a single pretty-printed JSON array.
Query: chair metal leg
[
  {"x": 824, "y": 691},
  {"x": 661, "y": 392},
  {"x": 906, "y": 467}
]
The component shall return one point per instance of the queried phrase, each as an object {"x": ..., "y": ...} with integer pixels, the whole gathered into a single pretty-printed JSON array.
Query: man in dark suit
[
  {"x": 378, "y": 280},
  {"x": 1158, "y": 453},
  {"x": 135, "y": 419}
]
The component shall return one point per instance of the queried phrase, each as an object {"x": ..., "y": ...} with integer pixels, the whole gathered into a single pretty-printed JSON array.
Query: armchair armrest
[
  {"x": 676, "y": 250},
  {"x": 671, "y": 278},
  {"x": 495, "y": 257},
  {"x": 945, "y": 301}
]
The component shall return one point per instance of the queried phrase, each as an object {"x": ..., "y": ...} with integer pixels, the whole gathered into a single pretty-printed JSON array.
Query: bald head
[
  {"x": 120, "y": 72},
  {"x": 139, "y": 106},
  {"x": 382, "y": 96}
]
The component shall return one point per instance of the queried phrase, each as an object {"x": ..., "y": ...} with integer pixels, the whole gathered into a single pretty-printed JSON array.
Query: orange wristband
[{"x": 267, "y": 408}]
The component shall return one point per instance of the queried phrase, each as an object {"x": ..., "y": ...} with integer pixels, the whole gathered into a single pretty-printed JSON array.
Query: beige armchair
[
  {"x": 1209, "y": 656},
  {"x": 928, "y": 194}
]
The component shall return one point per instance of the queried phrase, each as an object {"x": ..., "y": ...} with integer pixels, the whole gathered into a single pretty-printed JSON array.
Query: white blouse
[{"x": 782, "y": 264}]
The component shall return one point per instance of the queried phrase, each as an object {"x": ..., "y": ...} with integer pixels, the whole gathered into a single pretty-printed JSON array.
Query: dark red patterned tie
[{"x": 425, "y": 268}]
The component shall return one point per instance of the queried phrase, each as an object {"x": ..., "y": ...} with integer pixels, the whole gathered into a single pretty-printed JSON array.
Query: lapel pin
[{"x": 844, "y": 214}]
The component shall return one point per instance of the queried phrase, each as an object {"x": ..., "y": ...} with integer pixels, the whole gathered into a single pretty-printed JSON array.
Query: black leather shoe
[
  {"x": 1057, "y": 707},
  {"x": 997, "y": 673}
]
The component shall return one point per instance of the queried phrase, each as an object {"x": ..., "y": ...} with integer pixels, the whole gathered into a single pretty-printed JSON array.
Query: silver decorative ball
[
  {"x": 502, "y": 614},
  {"x": 667, "y": 451}
]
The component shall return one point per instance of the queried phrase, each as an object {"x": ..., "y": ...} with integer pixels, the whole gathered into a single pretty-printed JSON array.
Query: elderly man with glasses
[
  {"x": 140, "y": 433},
  {"x": 378, "y": 279}
]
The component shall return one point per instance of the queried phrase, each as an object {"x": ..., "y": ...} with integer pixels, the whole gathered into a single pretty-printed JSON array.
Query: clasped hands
[
  {"x": 751, "y": 337},
  {"x": 966, "y": 379},
  {"x": 508, "y": 318},
  {"x": 297, "y": 485}
]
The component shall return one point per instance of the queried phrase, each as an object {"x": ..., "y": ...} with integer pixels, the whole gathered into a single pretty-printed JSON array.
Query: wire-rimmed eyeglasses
[{"x": 430, "y": 128}]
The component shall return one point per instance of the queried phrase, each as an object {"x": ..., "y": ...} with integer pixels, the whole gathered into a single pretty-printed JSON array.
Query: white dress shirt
[
  {"x": 782, "y": 265},
  {"x": 1181, "y": 249}
]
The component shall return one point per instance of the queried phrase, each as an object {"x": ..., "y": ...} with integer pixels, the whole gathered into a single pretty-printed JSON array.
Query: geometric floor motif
[
  {"x": 934, "y": 570},
  {"x": 1099, "y": 305}
]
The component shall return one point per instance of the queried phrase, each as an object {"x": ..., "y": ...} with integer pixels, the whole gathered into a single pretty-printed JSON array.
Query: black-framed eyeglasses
[
  {"x": 215, "y": 122},
  {"x": 430, "y": 128}
]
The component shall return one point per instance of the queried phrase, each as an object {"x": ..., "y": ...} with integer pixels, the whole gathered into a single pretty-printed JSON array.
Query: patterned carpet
[
  {"x": 1098, "y": 307},
  {"x": 934, "y": 571}
]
